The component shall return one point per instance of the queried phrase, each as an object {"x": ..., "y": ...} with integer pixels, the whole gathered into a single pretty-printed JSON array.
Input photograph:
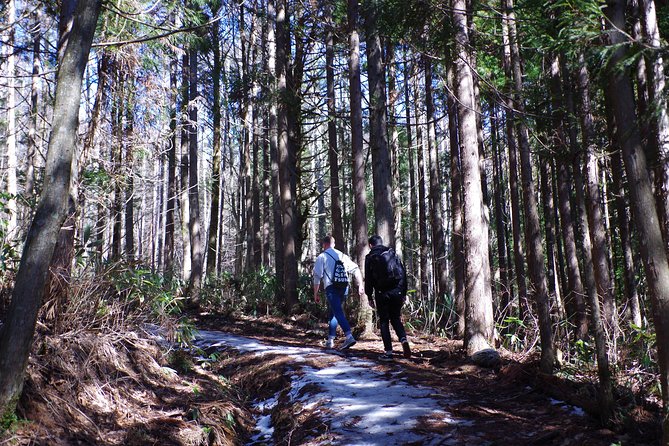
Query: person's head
[
  {"x": 328, "y": 242},
  {"x": 375, "y": 240}
]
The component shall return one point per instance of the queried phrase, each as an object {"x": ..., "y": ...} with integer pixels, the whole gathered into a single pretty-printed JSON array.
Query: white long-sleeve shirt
[{"x": 325, "y": 264}]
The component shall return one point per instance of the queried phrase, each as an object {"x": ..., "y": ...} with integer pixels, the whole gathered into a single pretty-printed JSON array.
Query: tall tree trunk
[
  {"x": 333, "y": 151},
  {"x": 194, "y": 223},
  {"x": 394, "y": 147},
  {"x": 620, "y": 93},
  {"x": 273, "y": 149},
  {"x": 501, "y": 222},
  {"x": 358, "y": 158},
  {"x": 532, "y": 225},
  {"x": 168, "y": 254},
  {"x": 550, "y": 218},
  {"x": 593, "y": 198},
  {"x": 17, "y": 332},
  {"x": 479, "y": 323},
  {"x": 117, "y": 160},
  {"x": 458, "y": 254},
  {"x": 12, "y": 167},
  {"x": 659, "y": 117},
  {"x": 574, "y": 296},
  {"x": 287, "y": 161},
  {"x": 413, "y": 201},
  {"x": 422, "y": 199},
  {"x": 212, "y": 244},
  {"x": 184, "y": 168},
  {"x": 437, "y": 208},
  {"x": 33, "y": 144},
  {"x": 378, "y": 140},
  {"x": 514, "y": 193},
  {"x": 128, "y": 166},
  {"x": 605, "y": 390}
]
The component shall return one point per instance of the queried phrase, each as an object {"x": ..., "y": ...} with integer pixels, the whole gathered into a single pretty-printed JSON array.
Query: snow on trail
[{"x": 364, "y": 407}]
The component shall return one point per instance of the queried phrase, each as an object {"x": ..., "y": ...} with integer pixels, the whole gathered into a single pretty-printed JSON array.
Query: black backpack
[
  {"x": 339, "y": 277},
  {"x": 387, "y": 269}
]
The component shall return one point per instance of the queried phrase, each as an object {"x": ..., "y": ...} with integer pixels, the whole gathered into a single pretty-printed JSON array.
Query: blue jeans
[{"x": 336, "y": 298}]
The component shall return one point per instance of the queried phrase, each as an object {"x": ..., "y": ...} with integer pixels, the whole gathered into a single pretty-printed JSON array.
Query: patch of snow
[
  {"x": 367, "y": 409},
  {"x": 574, "y": 410}
]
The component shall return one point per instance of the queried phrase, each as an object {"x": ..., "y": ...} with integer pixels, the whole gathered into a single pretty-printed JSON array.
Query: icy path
[{"x": 364, "y": 407}]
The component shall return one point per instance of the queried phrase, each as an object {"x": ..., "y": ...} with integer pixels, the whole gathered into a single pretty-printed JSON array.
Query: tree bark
[
  {"x": 458, "y": 255},
  {"x": 358, "y": 158},
  {"x": 532, "y": 224},
  {"x": 437, "y": 208},
  {"x": 286, "y": 160},
  {"x": 212, "y": 244},
  {"x": 620, "y": 92},
  {"x": 514, "y": 193},
  {"x": 333, "y": 151},
  {"x": 12, "y": 161},
  {"x": 168, "y": 254},
  {"x": 378, "y": 140},
  {"x": 659, "y": 118},
  {"x": 479, "y": 323},
  {"x": 194, "y": 223},
  {"x": 17, "y": 332}
]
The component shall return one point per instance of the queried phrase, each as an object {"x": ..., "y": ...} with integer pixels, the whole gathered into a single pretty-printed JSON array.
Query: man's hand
[{"x": 317, "y": 298}]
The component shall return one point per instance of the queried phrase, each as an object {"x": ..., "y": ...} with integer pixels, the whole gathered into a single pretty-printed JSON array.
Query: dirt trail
[{"x": 435, "y": 398}]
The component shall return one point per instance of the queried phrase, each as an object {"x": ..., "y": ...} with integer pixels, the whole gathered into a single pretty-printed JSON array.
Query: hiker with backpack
[
  {"x": 332, "y": 267},
  {"x": 385, "y": 278}
]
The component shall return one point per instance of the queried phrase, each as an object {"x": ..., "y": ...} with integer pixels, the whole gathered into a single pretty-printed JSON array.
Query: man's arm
[
  {"x": 318, "y": 274},
  {"x": 358, "y": 277},
  {"x": 369, "y": 282}
]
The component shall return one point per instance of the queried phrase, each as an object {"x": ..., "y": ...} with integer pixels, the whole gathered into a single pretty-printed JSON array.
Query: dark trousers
[{"x": 389, "y": 310}]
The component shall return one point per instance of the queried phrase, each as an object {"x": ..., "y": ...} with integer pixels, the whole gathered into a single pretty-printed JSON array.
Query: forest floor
[{"x": 262, "y": 381}]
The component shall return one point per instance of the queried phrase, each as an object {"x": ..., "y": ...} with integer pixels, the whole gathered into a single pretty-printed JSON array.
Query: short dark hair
[
  {"x": 376, "y": 240},
  {"x": 327, "y": 240}
]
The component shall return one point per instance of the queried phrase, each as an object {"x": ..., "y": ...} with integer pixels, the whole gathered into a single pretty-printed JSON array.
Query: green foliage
[
  {"x": 181, "y": 361},
  {"x": 512, "y": 328},
  {"x": 643, "y": 345},
  {"x": 140, "y": 286}
]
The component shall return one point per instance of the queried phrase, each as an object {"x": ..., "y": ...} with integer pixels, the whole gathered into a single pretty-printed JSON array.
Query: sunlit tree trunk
[
  {"x": 129, "y": 172},
  {"x": 184, "y": 168},
  {"x": 17, "y": 331},
  {"x": 575, "y": 292},
  {"x": 33, "y": 143},
  {"x": 212, "y": 244},
  {"x": 273, "y": 148},
  {"x": 286, "y": 160},
  {"x": 168, "y": 254},
  {"x": 11, "y": 131},
  {"x": 479, "y": 323},
  {"x": 394, "y": 147},
  {"x": 659, "y": 118},
  {"x": 194, "y": 223},
  {"x": 358, "y": 157}
]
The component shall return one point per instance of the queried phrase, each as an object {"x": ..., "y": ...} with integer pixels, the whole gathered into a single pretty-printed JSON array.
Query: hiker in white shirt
[{"x": 335, "y": 284}]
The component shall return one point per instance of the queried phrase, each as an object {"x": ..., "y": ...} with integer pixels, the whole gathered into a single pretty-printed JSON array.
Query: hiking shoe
[
  {"x": 386, "y": 357},
  {"x": 348, "y": 343},
  {"x": 406, "y": 349},
  {"x": 329, "y": 344}
]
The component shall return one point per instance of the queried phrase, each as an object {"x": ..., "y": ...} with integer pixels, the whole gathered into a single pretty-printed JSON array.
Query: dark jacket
[{"x": 374, "y": 267}]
